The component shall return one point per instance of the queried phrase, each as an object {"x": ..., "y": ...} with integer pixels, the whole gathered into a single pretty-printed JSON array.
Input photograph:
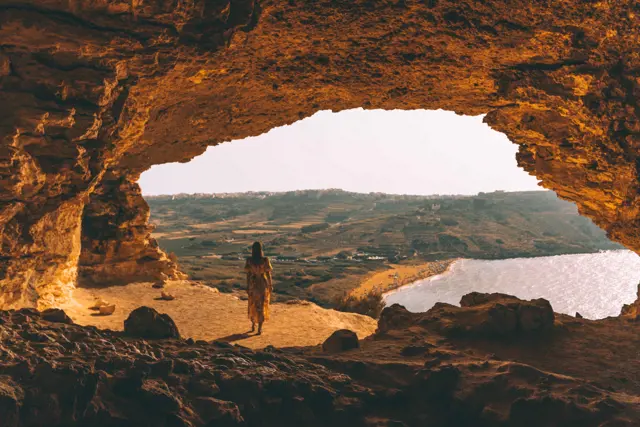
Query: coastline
[
  {"x": 447, "y": 270},
  {"x": 383, "y": 280},
  {"x": 399, "y": 276}
]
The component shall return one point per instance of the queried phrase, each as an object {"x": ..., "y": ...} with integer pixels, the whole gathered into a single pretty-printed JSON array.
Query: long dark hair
[{"x": 256, "y": 253}]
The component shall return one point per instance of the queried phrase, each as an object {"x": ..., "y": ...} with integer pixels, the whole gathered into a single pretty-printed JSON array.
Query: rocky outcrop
[
  {"x": 394, "y": 317},
  {"x": 480, "y": 315},
  {"x": 94, "y": 93},
  {"x": 116, "y": 243},
  {"x": 59, "y": 374},
  {"x": 145, "y": 322},
  {"x": 632, "y": 311}
]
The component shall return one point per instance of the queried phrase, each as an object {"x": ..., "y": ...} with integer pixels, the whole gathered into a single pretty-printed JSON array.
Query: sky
[{"x": 400, "y": 152}]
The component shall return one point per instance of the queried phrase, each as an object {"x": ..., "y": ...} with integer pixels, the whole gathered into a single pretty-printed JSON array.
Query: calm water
[{"x": 595, "y": 285}]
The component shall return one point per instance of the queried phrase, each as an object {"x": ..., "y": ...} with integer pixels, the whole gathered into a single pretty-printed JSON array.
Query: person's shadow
[{"x": 235, "y": 337}]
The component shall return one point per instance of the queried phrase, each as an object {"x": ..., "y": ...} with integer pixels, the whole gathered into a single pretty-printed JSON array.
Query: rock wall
[{"x": 95, "y": 92}]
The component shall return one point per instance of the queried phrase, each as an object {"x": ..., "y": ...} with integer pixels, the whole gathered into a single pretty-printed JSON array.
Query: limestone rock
[
  {"x": 107, "y": 309},
  {"x": 145, "y": 322},
  {"x": 476, "y": 298},
  {"x": 493, "y": 315},
  {"x": 116, "y": 87},
  {"x": 217, "y": 412},
  {"x": 632, "y": 311},
  {"x": 166, "y": 296},
  {"x": 56, "y": 315},
  {"x": 341, "y": 340},
  {"x": 99, "y": 302},
  {"x": 394, "y": 317},
  {"x": 68, "y": 375}
]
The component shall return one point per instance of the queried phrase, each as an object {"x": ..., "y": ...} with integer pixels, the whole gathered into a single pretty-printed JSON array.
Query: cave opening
[
  {"x": 94, "y": 93},
  {"x": 458, "y": 191}
]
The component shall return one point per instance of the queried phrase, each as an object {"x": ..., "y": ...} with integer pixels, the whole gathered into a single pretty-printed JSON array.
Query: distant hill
[{"x": 328, "y": 239}]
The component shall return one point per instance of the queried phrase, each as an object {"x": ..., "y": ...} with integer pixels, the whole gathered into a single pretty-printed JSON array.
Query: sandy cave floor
[{"x": 203, "y": 313}]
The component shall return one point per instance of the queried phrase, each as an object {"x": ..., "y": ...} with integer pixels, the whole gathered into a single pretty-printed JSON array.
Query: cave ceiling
[{"x": 94, "y": 92}]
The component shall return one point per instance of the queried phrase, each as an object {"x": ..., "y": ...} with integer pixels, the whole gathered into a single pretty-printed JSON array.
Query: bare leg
[
  {"x": 253, "y": 327},
  {"x": 260, "y": 328}
]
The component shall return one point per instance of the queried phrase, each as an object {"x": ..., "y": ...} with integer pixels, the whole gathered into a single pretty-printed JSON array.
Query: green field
[{"x": 323, "y": 242}]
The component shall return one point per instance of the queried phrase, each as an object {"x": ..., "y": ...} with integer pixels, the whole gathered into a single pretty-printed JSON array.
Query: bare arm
[
  {"x": 268, "y": 271},
  {"x": 269, "y": 281},
  {"x": 247, "y": 269}
]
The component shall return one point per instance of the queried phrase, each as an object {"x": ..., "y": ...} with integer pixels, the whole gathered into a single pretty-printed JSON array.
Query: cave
[{"x": 95, "y": 93}]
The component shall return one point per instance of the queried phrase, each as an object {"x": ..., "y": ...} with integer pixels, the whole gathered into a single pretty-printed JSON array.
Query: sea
[{"x": 595, "y": 285}]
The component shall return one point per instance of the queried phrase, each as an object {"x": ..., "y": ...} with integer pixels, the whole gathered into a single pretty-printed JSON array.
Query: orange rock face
[{"x": 94, "y": 93}]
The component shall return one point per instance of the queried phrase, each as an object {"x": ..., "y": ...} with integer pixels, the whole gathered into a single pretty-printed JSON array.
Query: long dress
[{"x": 259, "y": 289}]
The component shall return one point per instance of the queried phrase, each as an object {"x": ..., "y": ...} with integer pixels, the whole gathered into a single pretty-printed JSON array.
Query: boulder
[
  {"x": 632, "y": 311},
  {"x": 145, "y": 322},
  {"x": 394, "y": 317},
  {"x": 476, "y": 298},
  {"x": 535, "y": 315},
  {"x": 341, "y": 340},
  {"x": 492, "y": 315},
  {"x": 56, "y": 315}
]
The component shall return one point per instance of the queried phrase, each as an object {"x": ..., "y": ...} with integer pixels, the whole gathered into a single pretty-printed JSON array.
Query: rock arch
[{"x": 95, "y": 92}]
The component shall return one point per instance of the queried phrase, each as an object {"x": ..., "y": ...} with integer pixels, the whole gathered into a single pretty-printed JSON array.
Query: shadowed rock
[
  {"x": 341, "y": 340},
  {"x": 104, "y": 96},
  {"x": 57, "y": 374},
  {"x": 56, "y": 315},
  {"x": 394, "y": 317},
  {"x": 145, "y": 322},
  {"x": 493, "y": 315},
  {"x": 476, "y": 298},
  {"x": 489, "y": 315},
  {"x": 632, "y": 311}
]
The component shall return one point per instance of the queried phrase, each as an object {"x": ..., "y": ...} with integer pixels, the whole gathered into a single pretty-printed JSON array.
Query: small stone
[
  {"x": 99, "y": 302},
  {"x": 166, "y": 296},
  {"x": 107, "y": 310}
]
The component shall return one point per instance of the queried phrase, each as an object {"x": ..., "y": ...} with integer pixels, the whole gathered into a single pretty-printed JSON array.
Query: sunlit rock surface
[{"x": 94, "y": 93}]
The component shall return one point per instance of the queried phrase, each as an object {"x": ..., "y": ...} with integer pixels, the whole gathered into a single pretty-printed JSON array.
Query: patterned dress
[{"x": 259, "y": 289}]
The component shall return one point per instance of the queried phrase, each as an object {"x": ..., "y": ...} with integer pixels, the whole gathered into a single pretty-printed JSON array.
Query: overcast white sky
[{"x": 401, "y": 152}]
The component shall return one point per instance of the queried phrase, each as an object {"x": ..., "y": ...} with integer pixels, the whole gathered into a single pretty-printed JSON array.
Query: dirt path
[{"x": 203, "y": 313}]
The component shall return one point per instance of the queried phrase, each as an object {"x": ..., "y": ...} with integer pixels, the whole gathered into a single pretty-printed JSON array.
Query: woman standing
[{"x": 259, "y": 286}]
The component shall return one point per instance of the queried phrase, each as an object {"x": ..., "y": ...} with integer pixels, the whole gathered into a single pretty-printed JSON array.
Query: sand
[
  {"x": 203, "y": 313},
  {"x": 385, "y": 281}
]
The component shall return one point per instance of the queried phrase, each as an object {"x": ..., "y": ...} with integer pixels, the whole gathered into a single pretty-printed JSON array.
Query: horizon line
[{"x": 344, "y": 191}]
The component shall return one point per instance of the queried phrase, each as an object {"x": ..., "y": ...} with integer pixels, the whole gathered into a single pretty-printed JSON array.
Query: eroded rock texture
[
  {"x": 95, "y": 92},
  {"x": 57, "y": 374}
]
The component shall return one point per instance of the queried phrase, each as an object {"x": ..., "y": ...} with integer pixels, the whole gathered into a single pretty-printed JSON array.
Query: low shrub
[
  {"x": 370, "y": 305},
  {"x": 314, "y": 227}
]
